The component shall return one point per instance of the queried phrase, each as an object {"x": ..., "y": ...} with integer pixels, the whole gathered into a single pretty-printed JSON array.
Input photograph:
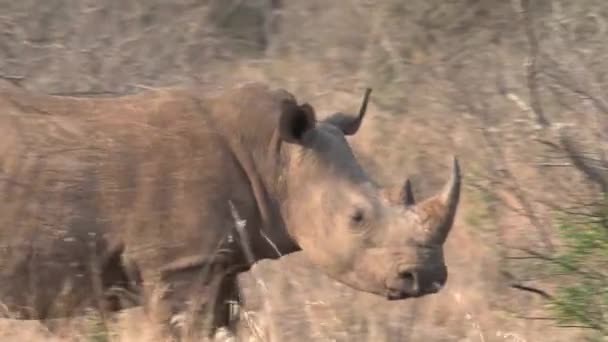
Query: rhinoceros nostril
[
  {"x": 407, "y": 276},
  {"x": 403, "y": 284},
  {"x": 408, "y": 282}
]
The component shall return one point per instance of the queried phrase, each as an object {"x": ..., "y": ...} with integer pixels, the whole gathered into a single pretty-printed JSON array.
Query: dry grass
[{"x": 435, "y": 94}]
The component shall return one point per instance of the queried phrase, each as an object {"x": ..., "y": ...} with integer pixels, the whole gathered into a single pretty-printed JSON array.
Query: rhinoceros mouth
[
  {"x": 397, "y": 294},
  {"x": 394, "y": 294}
]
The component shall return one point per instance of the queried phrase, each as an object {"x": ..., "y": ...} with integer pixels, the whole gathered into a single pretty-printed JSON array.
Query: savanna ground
[{"x": 516, "y": 89}]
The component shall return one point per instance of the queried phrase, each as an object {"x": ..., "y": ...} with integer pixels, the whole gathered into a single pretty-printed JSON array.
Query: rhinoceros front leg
[
  {"x": 228, "y": 297},
  {"x": 191, "y": 303}
]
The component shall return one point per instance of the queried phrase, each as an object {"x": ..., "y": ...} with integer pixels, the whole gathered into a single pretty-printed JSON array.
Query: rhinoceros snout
[{"x": 408, "y": 283}]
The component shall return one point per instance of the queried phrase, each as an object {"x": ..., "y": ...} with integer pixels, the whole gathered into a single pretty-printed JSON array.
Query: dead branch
[
  {"x": 532, "y": 65},
  {"x": 13, "y": 79},
  {"x": 517, "y": 284},
  {"x": 590, "y": 274},
  {"x": 539, "y": 292},
  {"x": 593, "y": 172}
]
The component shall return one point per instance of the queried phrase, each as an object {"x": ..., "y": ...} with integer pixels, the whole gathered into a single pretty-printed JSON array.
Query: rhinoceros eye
[{"x": 358, "y": 216}]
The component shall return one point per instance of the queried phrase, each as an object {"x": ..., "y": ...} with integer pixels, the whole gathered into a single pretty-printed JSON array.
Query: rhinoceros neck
[
  {"x": 249, "y": 127},
  {"x": 262, "y": 168}
]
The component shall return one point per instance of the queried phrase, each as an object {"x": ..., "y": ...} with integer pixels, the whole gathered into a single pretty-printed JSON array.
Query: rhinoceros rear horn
[
  {"x": 295, "y": 120},
  {"x": 350, "y": 124},
  {"x": 438, "y": 212},
  {"x": 403, "y": 196},
  {"x": 407, "y": 195}
]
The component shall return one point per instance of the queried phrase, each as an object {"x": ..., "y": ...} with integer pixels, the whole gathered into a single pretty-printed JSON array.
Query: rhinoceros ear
[
  {"x": 350, "y": 124},
  {"x": 295, "y": 120}
]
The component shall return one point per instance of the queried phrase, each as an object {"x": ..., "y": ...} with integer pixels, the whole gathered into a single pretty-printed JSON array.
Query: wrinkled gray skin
[{"x": 111, "y": 198}]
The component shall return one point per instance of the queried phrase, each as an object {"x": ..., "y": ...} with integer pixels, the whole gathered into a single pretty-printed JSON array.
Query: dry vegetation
[{"x": 515, "y": 88}]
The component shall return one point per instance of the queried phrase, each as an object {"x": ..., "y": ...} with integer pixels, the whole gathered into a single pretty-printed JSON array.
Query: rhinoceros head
[{"x": 347, "y": 225}]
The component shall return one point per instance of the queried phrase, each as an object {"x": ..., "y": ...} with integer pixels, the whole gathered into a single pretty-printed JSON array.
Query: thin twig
[
  {"x": 540, "y": 292},
  {"x": 532, "y": 65}
]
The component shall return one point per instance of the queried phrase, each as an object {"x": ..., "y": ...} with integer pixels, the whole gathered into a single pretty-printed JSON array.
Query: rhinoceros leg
[
  {"x": 121, "y": 282},
  {"x": 191, "y": 303},
  {"x": 227, "y": 300}
]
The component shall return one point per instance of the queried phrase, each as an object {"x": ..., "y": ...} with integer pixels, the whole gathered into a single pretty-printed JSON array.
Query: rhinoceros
[{"x": 134, "y": 196}]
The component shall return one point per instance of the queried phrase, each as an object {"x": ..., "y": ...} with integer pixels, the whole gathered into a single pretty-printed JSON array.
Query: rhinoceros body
[{"x": 104, "y": 199}]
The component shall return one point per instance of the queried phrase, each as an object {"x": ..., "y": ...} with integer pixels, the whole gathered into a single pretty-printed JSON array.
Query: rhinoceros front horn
[
  {"x": 437, "y": 213},
  {"x": 349, "y": 124}
]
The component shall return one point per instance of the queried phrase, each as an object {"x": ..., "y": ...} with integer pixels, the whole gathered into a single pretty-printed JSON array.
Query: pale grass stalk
[
  {"x": 469, "y": 317},
  {"x": 316, "y": 323},
  {"x": 510, "y": 336},
  {"x": 240, "y": 225}
]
